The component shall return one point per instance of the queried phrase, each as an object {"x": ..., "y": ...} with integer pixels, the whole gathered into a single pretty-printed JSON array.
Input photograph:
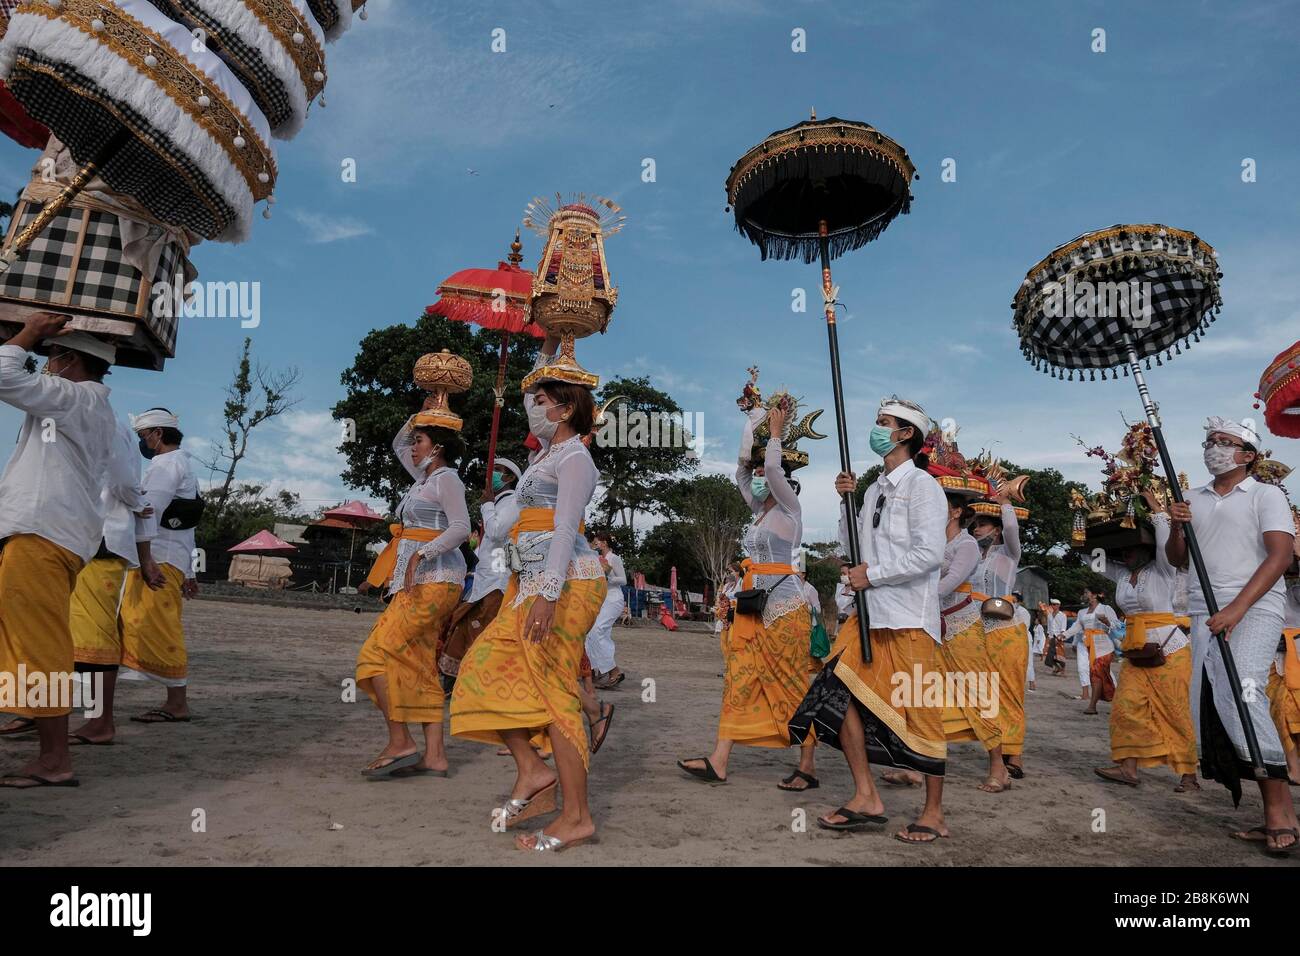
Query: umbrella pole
[
  {"x": 841, "y": 425},
  {"x": 56, "y": 205},
  {"x": 1198, "y": 562},
  {"x": 499, "y": 398},
  {"x": 351, "y": 548}
]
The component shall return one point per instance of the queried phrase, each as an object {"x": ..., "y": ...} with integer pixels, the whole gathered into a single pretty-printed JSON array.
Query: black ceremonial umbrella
[
  {"x": 815, "y": 191},
  {"x": 1109, "y": 300}
]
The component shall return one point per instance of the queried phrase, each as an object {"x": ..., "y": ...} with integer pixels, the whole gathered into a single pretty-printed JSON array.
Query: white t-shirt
[
  {"x": 1230, "y": 530},
  {"x": 167, "y": 477}
]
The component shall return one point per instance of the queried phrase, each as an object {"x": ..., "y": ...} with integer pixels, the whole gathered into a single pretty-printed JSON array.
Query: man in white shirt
[
  {"x": 1246, "y": 535},
  {"x": 101, "y": 583},
  {"x": 50, "y": 525},
  {"x": 600, "y": 640},
  {"x": 153, "y": 640},
  {"x": 1022, "y": 616}
]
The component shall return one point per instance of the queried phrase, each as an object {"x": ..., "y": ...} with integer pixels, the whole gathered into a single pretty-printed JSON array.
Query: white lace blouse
[
  {"x": 961, "y": 558},
  {"x": 774, "y": 534},
  {"x": 436, "y": 500},
  {"x": 1154, "y": 590},
  {"x": 999, "y": 565}
]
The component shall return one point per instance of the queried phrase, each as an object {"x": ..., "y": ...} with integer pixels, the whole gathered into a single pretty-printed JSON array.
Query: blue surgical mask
[
  {"x": 497, "y": 481},
  {"x": 881, "y": 442},
  {"x": 758, "y": 486}
]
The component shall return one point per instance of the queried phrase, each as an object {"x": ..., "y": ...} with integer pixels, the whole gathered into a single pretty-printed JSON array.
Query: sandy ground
[{"x": 273, "y": 754}]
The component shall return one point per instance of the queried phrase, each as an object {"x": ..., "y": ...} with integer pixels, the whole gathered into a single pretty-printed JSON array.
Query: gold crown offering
[
  {"x": 795, "y": 428},
  {"x": 573, "y": 296},
  {"x": 1116, "y": 515},
  {"x": 441, "y": 374}
]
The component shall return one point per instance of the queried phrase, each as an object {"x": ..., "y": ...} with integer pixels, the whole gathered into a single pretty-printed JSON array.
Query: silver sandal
[
  {"x": 516, "y": 809},
  {"x": 543, "y": 843}
]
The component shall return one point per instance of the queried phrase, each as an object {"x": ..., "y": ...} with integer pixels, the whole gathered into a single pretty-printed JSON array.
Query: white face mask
[
  {"x": 1220, "y": 461},
  {"x": 539, "y": 424},
  {"x": 424, "y": 463}
]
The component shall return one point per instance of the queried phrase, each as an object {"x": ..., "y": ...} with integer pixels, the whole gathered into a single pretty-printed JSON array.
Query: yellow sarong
[
  {"x": 1151, "y": 715},
  {"x": 384, "y": 565},
  {"x": 37, "y": 578},
  {"x": 1008, "y": 649},
  {"x": 153, "y": 641},
  {"x": 1284, "y": 694},
  {"x": 402, "y": 647},
  {"x": 508, "y": 682},
  {"x": 96, "y": 634},
  {"x": 967, "y": 653},
  {"x": 894, "y": 651},
  {"x": 766, "y": 677}
]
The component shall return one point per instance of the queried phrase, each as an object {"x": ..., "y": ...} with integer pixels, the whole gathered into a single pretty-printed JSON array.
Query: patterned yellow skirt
[
  {"x": 94, "y": 609},
  {"x": 401, "y": 647},
  {"x": 1008, "y": 648},
  {"x": 766, "y": 677},
  {"x": 507, "y": 682},
  {"x": 153, "y": 640},
  {"x": 37, "y": 578},
  {"x": 1284, "y": 708},
  {"x": 1151, "y": 715},
  {"x": 967, "y": 653}
]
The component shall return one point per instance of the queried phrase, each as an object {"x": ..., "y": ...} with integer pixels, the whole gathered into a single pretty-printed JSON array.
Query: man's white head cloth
[
  {"x": 154, "y": 418},
  {"x": 508, "y": 465},
  {"x": 1226, "y": 425},
  {"x": 905, "y": 411}
]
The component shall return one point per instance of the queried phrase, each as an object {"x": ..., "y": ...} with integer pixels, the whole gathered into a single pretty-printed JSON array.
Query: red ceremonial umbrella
[
  {"x": 357, "y": 514},
  {"x": 494, "y": 299}
]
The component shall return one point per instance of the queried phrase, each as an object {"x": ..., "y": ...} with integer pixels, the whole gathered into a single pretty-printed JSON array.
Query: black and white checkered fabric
[
  {"x": 1183, "y": 299},
  {"x": 266, "y": 89},
  {"x": 174, "y": 190},
  {"x": 326, "y": 12},
  {"x": 102, "y": 280}
]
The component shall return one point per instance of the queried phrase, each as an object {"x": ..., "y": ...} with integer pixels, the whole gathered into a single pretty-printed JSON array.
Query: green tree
[
  {"x": 711, "y": 516},
  {"x": 243, "y": 412},
  {"x": 634, "y": 462},
  {"x": 248, "y": 509},
  {"x": 381, "y": 396}
]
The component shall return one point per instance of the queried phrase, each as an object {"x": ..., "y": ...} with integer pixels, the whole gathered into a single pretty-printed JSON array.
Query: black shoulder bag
[{"x": 753, "y": 600}]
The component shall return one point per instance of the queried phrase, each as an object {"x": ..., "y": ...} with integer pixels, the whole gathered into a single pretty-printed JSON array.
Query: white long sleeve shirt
[
  {"x": 1057, "y": 623},
  {"x": 1102, "y": 619},
  {"x": 492, "y": 573},
  {"x": 167, "y": 477},
  {"x": 122, "y": 497},
  {"x": 904, "y": 553},
  {"x": 54, "y": 480},
  {"x": 1153, "y": 591}
]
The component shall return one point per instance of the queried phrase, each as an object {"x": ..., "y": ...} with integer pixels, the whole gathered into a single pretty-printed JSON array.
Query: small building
[{"x": 1032, "y": 583}]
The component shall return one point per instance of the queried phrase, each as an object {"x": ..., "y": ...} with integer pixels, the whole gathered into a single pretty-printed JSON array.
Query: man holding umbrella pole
[{"x": 1247, "y": 535}]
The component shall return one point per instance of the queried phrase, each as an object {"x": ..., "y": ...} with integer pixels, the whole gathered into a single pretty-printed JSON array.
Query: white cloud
[{"x": 322, "y": 228}]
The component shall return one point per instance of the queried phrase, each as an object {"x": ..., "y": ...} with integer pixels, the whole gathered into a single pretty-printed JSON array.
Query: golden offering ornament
[{"x": 441, "y": 374}]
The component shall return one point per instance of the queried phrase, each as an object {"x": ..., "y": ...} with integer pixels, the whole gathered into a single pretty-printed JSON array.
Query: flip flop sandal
[
  {"x": 918, "y": 828},
  {"x": 1183, "y": 788},
  {"x": 1114, "y": 776},
  {"x": 1282, "y": 850},
  {"x": 809, "y": 779},
  {"x": 986, "y": 787},
  {"x": 854, "y": 822},
  {"x": 705, "y": 773},
  {"x": 81, "y": 740},
  {"x": 39, "y": 781},
  {"x": 396, "y": 763},
  {"x": 414, "y": 771},
  {"x": 26, "y": 725},
  {"x": 897, "y": 780},
  {"x": 607, "y": 719},
  {"x": 164, "y": 717},
  {"x": 1244, "y": 836},
  {"x": 542, "y": 843},
  {"x": 517, "y": 810}
]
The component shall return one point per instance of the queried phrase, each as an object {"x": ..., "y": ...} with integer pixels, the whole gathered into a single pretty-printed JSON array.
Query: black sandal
[
  {"x": 919, "y": 828},
  {"x": 854, "y": 822},
  {"x": 705, "y": 773},
  {"x": 606, "y": 718},
  {"x": 807, "y": 778},
  {"x": 1277, "y": 832},
  {"x": 1017, "y": 773}
]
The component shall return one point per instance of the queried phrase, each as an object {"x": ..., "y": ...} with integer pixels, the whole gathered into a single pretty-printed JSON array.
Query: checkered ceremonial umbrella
[
  {"x": 814, "y": 191},
  {"x": 494, "y": 299},
  {"x": 1113, "y": 299}
]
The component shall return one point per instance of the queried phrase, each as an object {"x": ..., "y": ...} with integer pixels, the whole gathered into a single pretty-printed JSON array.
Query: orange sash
[
  {"x": 745, "y": 626},
  {"x": 1088, "y": 643},
  {"x": 1135, "y": 628},
  {"x": 383, "y": 567},
  {"x": 538, "y": 519}
]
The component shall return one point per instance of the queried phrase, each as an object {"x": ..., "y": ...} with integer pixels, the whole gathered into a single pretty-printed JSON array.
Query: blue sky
[{"x": 1050, "y": 140}]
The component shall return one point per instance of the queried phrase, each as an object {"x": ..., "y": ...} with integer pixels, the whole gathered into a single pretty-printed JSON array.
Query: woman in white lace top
[
  {"x": 396, "y": 666},
  {"x": 766, "y": 657},
  {"x": 520, "y": 677}
]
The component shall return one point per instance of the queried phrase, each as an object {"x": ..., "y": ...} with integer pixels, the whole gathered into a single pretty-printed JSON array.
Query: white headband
[
  {"x": 508, "y": 465},
  {"x": 905, "y": 411},
  {"x": 154, "y": 418},
  {"x": 1226, "y": 425}
]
